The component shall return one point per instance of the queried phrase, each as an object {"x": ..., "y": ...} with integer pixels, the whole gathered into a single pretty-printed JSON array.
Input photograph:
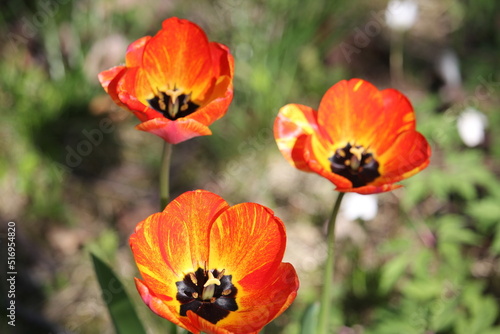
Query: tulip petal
[
  {"x": 408, "y": 155},
  {"x": 135, "y": 50},
  {"x": 293, "y": 123},
  {"x": 205, "y": 326},
  {"x": 157, "y": 255},
  {"x": 174, "y": 132},
  {"x": 248, "y": 256},
  {"x": 316, "y": 154},
  {"x": 214, "y": 110},
  {"x": 346, "y": 112},
  {"x": 355, "y": 111},
  {"x": 126, "y": 93},
  {"x": 169, "y": 244},
  {"x": 204, "y": 208},
  {"x": 160, "y": 307},
  {"x": 397, "y": 118},
  {"x": 222, "y": 94},
  {"x": 109, "y": 80},
  {"x": 262, "y": 305},
  {"x": 223, "y": 69},
  {"x": 178, "y": 56}
]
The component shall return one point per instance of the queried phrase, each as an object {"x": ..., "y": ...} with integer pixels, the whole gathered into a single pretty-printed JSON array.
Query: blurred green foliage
[{"x": 439, "y": 272}]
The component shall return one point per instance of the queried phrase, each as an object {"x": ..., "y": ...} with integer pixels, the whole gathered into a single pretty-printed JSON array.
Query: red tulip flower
[
  {"x": 361, "y": 139},
  {"x": 212, "y": 268},
  {"x": 177, "y": 83}
]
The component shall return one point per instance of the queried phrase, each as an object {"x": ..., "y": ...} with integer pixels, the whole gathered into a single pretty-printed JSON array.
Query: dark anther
[{"x": 355, "y": 164}]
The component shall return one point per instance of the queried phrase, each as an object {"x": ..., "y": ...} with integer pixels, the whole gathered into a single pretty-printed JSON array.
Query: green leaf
[
  {"x": 439, "y": 184},
  {"x": 495, "y": 246},
  {"x": 392, "y": 271},
  {"x": 494, "y": 330},
  {"x": 465, "y": 189},
  {"x": 424, "y": 289},
  {"x": 105, "y": 245},
  {"x": 451, "y": 228},
  {"x": 120, "y": 307},
  {"x": 444, "y": 313},
  {"x": 486, "y": 211},
  {"x": 415, "y": 191},
  {"x": 421, "y": 262},
  {"x": 309, "y": 320},
  {"x": 482, "y": 310}
]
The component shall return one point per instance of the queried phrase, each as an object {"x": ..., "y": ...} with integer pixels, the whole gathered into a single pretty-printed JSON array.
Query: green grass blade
[
  {"x": 309, "y": 321},
  {"x": 120, "y": 307}
]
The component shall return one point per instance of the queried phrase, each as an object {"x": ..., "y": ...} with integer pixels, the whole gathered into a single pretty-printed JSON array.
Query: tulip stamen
[
  {"x": 221, "y": 274},
  {"x": 193, "y": 278},
  {"x": 208, "y": 293},
  {"x": 173, "y": 103},
  {"x": 209, "y": 287},
  {"x": 357, "y": 151},
  {"x": 355, "y": 163},
  {"x": 211, "y": 280}
]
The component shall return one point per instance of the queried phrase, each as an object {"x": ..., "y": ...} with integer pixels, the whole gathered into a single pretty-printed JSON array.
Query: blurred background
[{"x": 76, "y": 176}]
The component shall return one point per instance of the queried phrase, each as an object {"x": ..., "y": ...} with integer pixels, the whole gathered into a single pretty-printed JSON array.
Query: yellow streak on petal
[
  {"x": 409, "y": 117},
  {"x": 145, "y": 270},
  {"x": 356, "y": 87}
]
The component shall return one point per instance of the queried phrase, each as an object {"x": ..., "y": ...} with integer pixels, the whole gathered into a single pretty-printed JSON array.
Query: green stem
[
  {"x": 164, "y": 175},
  {"x": 326, "y": 297},
  {"x": 396, "y": 57}
]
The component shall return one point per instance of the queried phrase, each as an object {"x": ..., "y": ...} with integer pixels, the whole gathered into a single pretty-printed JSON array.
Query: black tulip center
[
  {"x": 208, "y": 293},
  {"x": 355, "y": 164},
  {"x": 173, "y": 104}
]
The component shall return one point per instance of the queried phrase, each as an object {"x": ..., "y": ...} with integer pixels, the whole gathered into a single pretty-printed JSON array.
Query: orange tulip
[
  {"x": 177, "y": 83},
  {"x": 361, "y": 139},
  {"x": 212, "y": 268}
]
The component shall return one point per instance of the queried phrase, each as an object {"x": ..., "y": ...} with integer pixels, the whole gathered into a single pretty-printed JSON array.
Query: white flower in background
[
  {"x": 401, "y": 15},
  {"x": 471, "y": 126},
  {"x": 448, "y": 67},
  {"x": 356, "y": 206}
]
